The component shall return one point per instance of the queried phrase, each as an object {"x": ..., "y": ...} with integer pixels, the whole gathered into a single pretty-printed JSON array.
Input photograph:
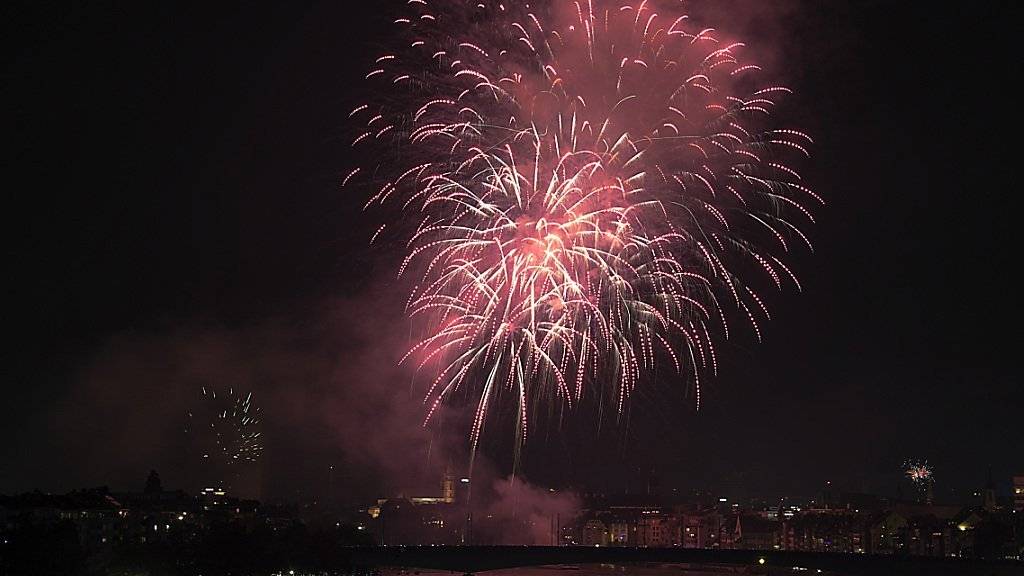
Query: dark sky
[{"x": 174, "y": 220}]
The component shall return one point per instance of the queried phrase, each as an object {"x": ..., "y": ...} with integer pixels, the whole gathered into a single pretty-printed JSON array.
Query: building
[
  {"x": 621, "y": 532},
  {"x": 657, "y": 531},
  {"x": 928, "y": 536},
  {"x": 887, "y": 533},
  {"x": 751, "y": 532},
  {"x": 701, "y": 530},
  {"x": 417, "y": 521},
  {"x": 842, "y": 532},
  {"x": 595, "y": 533},
  {"x": 1018, "y": 493}
]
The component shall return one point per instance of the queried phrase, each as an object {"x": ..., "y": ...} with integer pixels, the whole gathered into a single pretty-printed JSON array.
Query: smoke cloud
[
  {"x": 326, "y": 381},
  {"x": 520, "y": 513}
]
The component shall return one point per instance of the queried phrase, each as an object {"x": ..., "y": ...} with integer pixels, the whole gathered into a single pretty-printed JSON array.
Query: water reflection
[{"x": 640, "y": 569}]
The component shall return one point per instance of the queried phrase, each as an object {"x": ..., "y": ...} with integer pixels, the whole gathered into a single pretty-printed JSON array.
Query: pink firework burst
[
  {"x": 587, "y": 182},
  {"x": 918, "y": 472}
]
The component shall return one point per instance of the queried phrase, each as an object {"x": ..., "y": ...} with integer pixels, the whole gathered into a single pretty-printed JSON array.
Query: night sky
[{"x": 174, "y": 220}]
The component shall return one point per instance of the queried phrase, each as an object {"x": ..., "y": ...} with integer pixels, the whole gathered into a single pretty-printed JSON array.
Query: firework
[
  {"x": 918, "y": 472},
  {"x": 587, "y": 182},
  {"x": 225, "y": 430}
]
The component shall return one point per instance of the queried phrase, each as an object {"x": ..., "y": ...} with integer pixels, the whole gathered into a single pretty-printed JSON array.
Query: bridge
[{"x": 474, "y": 559}]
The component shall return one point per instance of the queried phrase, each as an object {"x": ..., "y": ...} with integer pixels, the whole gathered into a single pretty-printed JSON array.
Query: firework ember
[{"x": 587, "y": 181}]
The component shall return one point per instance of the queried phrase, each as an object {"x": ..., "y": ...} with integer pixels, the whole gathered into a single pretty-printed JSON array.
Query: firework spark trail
[
  {"x": 587, "y": 180},
  {"x": 227, "y": 426}
]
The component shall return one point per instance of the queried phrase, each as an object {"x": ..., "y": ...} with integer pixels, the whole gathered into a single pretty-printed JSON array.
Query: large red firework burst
[{"x": 586, "y": 178}]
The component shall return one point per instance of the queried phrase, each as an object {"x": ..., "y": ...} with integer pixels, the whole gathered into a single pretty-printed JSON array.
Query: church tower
[
  {"x": 988, "y": 499},
  {"x": 448, "y": 484}
]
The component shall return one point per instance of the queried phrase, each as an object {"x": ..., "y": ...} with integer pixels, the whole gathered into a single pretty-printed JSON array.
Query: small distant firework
[
  {"x": 226, "y": 430},
  {"x": 919, "y": 472}
]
